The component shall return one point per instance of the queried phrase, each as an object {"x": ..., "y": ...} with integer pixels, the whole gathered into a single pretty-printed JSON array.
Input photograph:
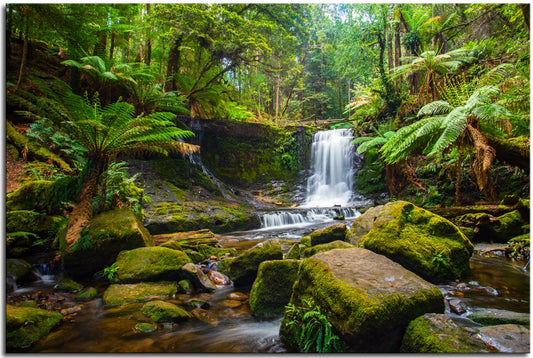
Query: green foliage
[
  {"x": 315, "y": 332},
  {"x": 110, "y": 271}
]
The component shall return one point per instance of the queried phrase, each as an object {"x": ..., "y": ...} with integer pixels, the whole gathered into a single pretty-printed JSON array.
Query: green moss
[
  {"x": 160, "y": 311},
  {"x": 508, "y": 226},
  {"x": 31, "y": 221},
  {"x": 116, "y": 295},
  {"x": 26, "y": 325},
  {"x": 173, "y": 170},
  {"x": 149, "y": 264},
  {"x": 329, "y": 234},
  {"x": 272, "y": 288},
  {"x": 179, "y": 193},
  {"x": 144, "y": 327},
  {"x": 306, "y": 240},
  {"x": 18, "y": 268},
  {"x": 86, "y": 294},
  {"x": 243, "y": 269},
  {"x": 326, "y": 247},
  {"x": 68, "y": 285},
  {"x": 494, "y": 317},
  {"x": 294, "y": 252}
]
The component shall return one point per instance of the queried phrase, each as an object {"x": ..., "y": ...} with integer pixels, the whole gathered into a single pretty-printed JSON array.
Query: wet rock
[
  {"x": 231, "y": 303},
  {"x": 197, "y": 303},
  {"x": 326, "y": 247},
  {"x": 457, "y": 306},
  {"x": 87, "y": 294},
  {"x": 239, "y": 296},
  {"x": 293, "y": 253},
  {"x": 185, "y": 286},
  {"x": 243, "y": 268},
  {"x": 492, "y": 316},
  {"x": 329, "y": 234},
  {"x": 437, "y": 333},
  {"x": 26, "y": 325},
  {"x": 161, "y": 311},
  {"x": 70, "y": 310},
  {"x": 17, "y": 271},
  {"x": 506, "y": 338},
  {"x": 306, "y": 241},
  {"x": 272, "y": 288},
  {"x": 149, "y": 264},
  {"x": 507, "y": 226},
  {"x": 68, "y": 285},
  {"x": 199, "y": 280},
  {"x": 424, "y": 243},
  {"x": 218, "y": 278},
  {"x": 118, "y": 294},
  {"x": 144, "y": 327},
  {"x": 368, "y": 299},
  {"x": 205, "y": 316},
  {"x": 108, "y": 234}
]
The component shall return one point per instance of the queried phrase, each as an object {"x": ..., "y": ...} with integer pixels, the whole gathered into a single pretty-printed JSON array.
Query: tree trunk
[
  {"x": 148, "y": 55},
  {"x": 83, "y": 211},
  {"x": 525, "y": 13},
  {"x": 397, "y": 53},
  {"x": 173, "y": 63},
  {"x": 24, "y": 57},
  {"x": 390, "y": 60},
  {"x": 513, "y": 151},
  {"x": 457, "y": 198},
  {"x": 112, "y": 45},
  {"x": 100, "y": 46}
]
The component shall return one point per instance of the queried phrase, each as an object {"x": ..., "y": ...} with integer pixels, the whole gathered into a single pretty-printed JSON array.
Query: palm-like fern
[{"x": 442, "y": 124}]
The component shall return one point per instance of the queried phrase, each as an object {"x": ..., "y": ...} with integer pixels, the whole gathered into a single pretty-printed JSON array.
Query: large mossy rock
[
  {"x": 310, "y": 251},
  {"x": 170, "y": 217},
  {"x": 26, "y": 325},
  {"x": 149, "y": 264},
  {"x": 106, "y": 235},
  {"x": 161, "y": 311},
  {"x": 243, "y": 268},
  {"x": 46, "y": 196},
  {"x": 437, "y": 333},
  {"x": 419, "y": 240},
  {"x": 507, "y": 226},
  {"x": 118, "y": 294},
  {"x": 17, "y": 271},
  {"x": 368, "y": 299},
  {"x": 272, "y": 289},
  {"x": 328, "y": 234}
]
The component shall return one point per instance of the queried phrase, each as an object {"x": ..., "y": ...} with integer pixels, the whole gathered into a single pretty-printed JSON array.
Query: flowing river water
[{"x": 227, "y": 325}]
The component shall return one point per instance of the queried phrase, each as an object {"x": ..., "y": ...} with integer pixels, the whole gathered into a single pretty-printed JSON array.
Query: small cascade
[{"x": 301, "y": 217}]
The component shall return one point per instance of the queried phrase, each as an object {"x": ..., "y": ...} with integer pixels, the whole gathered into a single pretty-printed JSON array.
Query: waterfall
[
  {"x": 332, "y": 169},
  {"x": 329, "y": 186}
]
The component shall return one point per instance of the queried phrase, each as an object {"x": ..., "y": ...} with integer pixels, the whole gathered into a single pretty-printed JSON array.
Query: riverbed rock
[
  {"x": 272, "y": 289},
  {"x": 87, "y": 294},
  {"x": 199, "y": 279},
  {"x": 107, "y": 234},
  {"x": 149, "y": 264},
  {"x": 243, "y": 268},
  {"x": 337, "y": 244},
  {"x": 493, "y": 316},
  {"x": 161, "y": 311},
  {"x": 425, "y": 243},
  {"x": 368, "y": 299},
  {"x": 437, "y": 333},
  {"x": 205, "y": 316},
  {"x": 144, "y": 327},
  {"x": 26, "y": 325},
  {"x": 507, "y": 338},
  {"x": 118, "y": 294},
  {"x": 329, "y": 234},
  {"x": 293, "y": 253},
  {"x": 68, "y": 285},
  {"x": 507, "y": 226},
  {"x": 18, "y": 271}
]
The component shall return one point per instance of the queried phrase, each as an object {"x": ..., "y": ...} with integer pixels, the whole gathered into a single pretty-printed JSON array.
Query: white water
[{"x": 329, "y": 187}]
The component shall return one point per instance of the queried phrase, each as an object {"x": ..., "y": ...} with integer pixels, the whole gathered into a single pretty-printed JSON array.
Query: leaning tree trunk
[
  {"x": 83, "y": 210},
  {"x": 457, "y": 198}
]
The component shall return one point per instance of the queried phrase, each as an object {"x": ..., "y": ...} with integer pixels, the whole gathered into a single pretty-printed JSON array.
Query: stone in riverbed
[
  {"x": 199, "y": 279},
  {"x": 116, "y": 295},
  {"x": 161, "y": 311},
  {"x": 368, "y": 299},
  {"x": 149, "y": 264},
  {"x": 437, "y": 333},
  {"x": 492, "y": 316},
  {"x": 507, "y": 338},
  {"x": 417, "y": 239},
  {"x": 272, "y": 288},
  {"x": 329, "y": 234}
]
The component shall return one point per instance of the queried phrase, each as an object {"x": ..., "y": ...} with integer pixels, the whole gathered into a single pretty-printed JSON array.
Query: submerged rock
[
  {"x": 437, "y": 333},
  {"x": 492, "y": 316},
  {"x": 507, "y": 338},
  {"x": 107, "y": 234},
  {"x": 161, "y": 311},
  {"x": 368, "y": 299},
  {"x": 86, "y": 294},
  {"x": 329, "y": 234},
  {"x": 272, "y": 288},
  {"x": 149, "y": 264},
  {"x": 419, "y": 240},
  {"x": 144, "y": 327},
  {"x": 243, "y": 269},
  {"x": 118, "y": 294},
  {"x": 26, "y": 325}
]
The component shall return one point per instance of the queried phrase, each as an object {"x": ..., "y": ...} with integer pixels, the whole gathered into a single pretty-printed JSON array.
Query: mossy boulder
[
  {"x": 149, "y": 264},
  {"x": 518, "y": 247},
  {"x": 87, "y": 294},
  {"x": 293, "y": 253},
  {"x": 118, "y": 294},
  {"x": 493, "y": 316},
  {"x": 310, "y": 251},
  {"x": 68, "y": 285},
  {"x": 368, "y": 299},
  {"x": 26, "y": 325},
  {"x": 161, "y": 311},
  {"x": 328, "y": 234},
  {"x": 272, "y": 289},
  {"x": 144, "y": 327},
  {"x": 243, "y": 268},
  {"x": 30, "y": 221},
  {"x": 437, "y": 333},
  {"x": 106, "y": 235},
  {"x": 199, "y": 245},
  {"x": 419, "y": 240},
  {"x": 219, "y": 217},
  {"x": 19, "y": 270},
  {"x": 507, "y": 226},
  {"x": 195, "y": 275},
  {"x": 306, "y": 241}
]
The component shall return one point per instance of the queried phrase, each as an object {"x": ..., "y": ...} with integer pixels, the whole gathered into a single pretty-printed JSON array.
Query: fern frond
[
  {"x": 454, "y": 124},
  {"x": 435, "y": 108}
]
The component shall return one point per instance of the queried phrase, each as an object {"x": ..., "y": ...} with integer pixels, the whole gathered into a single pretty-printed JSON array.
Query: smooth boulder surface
[
  {"x": 161, "y": 311},
  {"x": 328, "y": 234},
  {"x": 118, "y": 294},
  {"x": 368, "y": 299},
  {"x": 507, "y": 338},
  {"x": 106, "y": 235},
  {"x": 425, "y": 243},
  {"x": 149, "y": 264},
  {"x": 243, "y": 268},
  {"x": 337, "y": 244},
  {"x": 199, "y": 279},
  {"x": 272, "y": 289},
  {"x": 437, "y": 333}
]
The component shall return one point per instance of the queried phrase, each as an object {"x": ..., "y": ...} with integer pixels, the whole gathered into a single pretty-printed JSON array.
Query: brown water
[{"x": 495, "y": 282}]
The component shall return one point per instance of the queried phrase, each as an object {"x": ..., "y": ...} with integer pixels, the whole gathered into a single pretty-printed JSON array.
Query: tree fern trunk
[{"x": 458, "y": 181}]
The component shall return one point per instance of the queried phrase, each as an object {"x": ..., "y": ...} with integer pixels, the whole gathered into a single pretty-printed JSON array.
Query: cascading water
[{"x": 329, "y": 187}]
